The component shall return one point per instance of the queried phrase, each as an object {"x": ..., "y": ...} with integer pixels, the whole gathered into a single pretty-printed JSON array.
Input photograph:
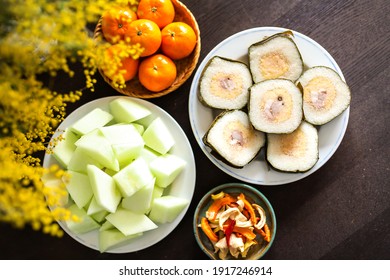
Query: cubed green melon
[
  {"x": 80, "y": 160},
  {"x": 129, "y": 222},
  {"x": 64, "y": 148},
  {"x": 140, "y": 201},
  {"x": 133, "y": 177},
  {"x": 148, "y": 154},
  {"x": 166, "y": 209},
  {"x": 104, "y": 189},
  {"x": 126, "y": 142},
  {"x": 126, "y": 110},
  {"x": 158, "y": 137},
  {"x": 79, "y": 188},
  {"x": 100, "y": 216},
  {"x": 96, "y": 146},
  {"x": 111, "y": 238},
  {"x": 94, "y": 207},
  {"x": 166, "y": 168},
  {"x": 106, "y": 225},
  {"x": 94, "y": 119},
  {"x": 84, "y": 224},
  {"x": 54, "y": 186}
]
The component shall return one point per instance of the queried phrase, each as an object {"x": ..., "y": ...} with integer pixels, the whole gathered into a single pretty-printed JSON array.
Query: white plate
[
  {"x": 257, "y": 172},
  {"x": 183, "y": 186}
]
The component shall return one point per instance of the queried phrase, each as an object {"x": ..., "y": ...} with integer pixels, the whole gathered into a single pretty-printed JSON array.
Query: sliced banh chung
[
  {"x": 276, "y": 56},
  {"x": 293, "y": 152},
  {"x": 232, "y": 137},
  {"x": 275, "y": 106},
  {"x": 224, "y": 84},
  {"x": 325, "y": 94}
]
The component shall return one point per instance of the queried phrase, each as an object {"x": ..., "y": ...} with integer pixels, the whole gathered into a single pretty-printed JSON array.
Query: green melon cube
[
  {"x": 104, "y": 189},
  {"x": 166, "y": 168},
  {"x": 54, "y": 185},
  {"x": 129, "y": 222},
  {"x": 166, "y": 209},
  {"x": 111, "y": 238},
  {"x": 80, "y": 160},
  {"x": 126, "y": 110},
  {"x": 94, "y": 207},
  {"x": 94, "y": 119},
  {"x": 140, "y": 201},
  {"x": 64, "y": 149},
  {"x": 79, "y": 188},
  {"x": 85, "y": 223},
  {"x": 148, "y": 154},
  {"x": 133, "y": 177},
  {"x": 96, "y": 146},
  {"x": 158, "y": 137},
  {"x": 126, "y": 142},
  {"x": 106, "y": 225},
  {"x": 100, "y": 216},
  {"x": 139, "y": 127}
]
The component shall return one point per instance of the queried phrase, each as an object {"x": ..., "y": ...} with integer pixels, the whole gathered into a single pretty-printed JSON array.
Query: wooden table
[{"x": 339, "y": 212}]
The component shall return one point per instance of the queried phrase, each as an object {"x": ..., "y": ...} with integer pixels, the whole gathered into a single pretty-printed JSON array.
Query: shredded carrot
[
  {"x": 217, "y": 205},
  {"x": 205, "y": 226},
  {"x": 267, "y": 233},
  {"x": 249, "y": 208},
  {"x": 247, "y": 232}
]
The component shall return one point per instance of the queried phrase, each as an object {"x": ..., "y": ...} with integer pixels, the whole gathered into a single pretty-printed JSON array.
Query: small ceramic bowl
[{"x": 253, "y": 196}]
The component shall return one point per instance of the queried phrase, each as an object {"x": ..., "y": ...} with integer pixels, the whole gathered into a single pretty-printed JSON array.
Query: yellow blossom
[{"x": 40, "y": 39}]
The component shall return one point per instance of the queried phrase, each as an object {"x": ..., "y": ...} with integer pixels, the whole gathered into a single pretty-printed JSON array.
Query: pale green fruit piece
[
  {"x": 126, "y": 142},
  {"x": 96, "y": 146},
  {"x": 80, "y": 160},
  {"x": 157, "y": 192},
  {"x": 139, "y": 127},
  {"x": 94, "y": 207},
  {"x": 148, "y": 154},
  {"x": 126, "y": 110},
  {"x": 111, "y": 238},
  {"x": 126, "y": 153},
  {"x": 140, "y": 201},
  {"x": 133, "y": 177},
  {"x": 64, "y": 149},
  {"x": 158, "y": 137},
  {"x": 104, "y": 189},
  {"x": 166, "y": 168},
  {"x": 54, "y": 185},
  {"x": 79, "y": 188},
  {"x": 129, "y": 222},
  {"x": 121, "y": 133},
  {"x": 166, "y": 209},
  {"x": 100, "y": 216},
  {"x": 85, "y": 223},
  {"x": 106, "y": 225},
  {"x": 94, "y": 119}
]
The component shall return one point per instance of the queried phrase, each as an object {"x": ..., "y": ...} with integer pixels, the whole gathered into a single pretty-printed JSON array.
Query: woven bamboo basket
[{"x": 185, "y": 66}]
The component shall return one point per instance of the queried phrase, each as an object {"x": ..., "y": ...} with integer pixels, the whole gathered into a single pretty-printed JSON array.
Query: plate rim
[
  {"x": 168, "y": 227},
  {"x": 193, "y": 100}
]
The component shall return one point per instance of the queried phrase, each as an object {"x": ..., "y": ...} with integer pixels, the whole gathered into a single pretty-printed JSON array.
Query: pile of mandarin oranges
[{"x": 162, "y": 39}]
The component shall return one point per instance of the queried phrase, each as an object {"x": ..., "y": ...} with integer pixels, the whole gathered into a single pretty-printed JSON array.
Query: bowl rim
[{"x": 246, "y": 187}]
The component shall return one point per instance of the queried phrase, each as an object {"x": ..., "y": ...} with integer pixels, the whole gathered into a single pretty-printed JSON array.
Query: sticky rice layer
[
  {"x": 294, "y": 152},
  {"x": 224, "y": 84},
  {"x": 275, "y": 106},
  {"x": 284, "y": 51},
  {"x": 340, "y": 98},
  {"x": 232, "y": 136}
]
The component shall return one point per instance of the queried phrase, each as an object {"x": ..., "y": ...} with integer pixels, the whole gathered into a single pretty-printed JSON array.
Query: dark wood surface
[{"x": 339, "y": 212}]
